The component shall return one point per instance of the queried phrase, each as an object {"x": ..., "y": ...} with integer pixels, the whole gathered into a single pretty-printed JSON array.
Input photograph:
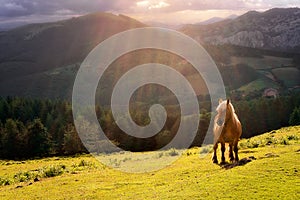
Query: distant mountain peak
[
  {"x": 211, "y": 21},
  {"x": 233, "y": 16},
  {"x": 217, "y": 19}
]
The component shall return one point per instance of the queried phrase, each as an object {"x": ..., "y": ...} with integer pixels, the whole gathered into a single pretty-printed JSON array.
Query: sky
[{"x": 172, "y": 12}]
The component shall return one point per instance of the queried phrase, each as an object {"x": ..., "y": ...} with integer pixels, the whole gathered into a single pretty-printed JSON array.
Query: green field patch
[
  {"x": 289, "y": 75},
  {"x": 266, "y": 62},
  {"x": 259, "y": 85}
]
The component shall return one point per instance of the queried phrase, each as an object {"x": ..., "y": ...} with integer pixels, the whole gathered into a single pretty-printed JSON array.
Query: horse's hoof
[
  {"x": 215, "y": 161},
  {"x": 223, "y": 163}
]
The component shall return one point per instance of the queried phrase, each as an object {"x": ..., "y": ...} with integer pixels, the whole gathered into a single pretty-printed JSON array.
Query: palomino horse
[{"x": 227, "y": 129}]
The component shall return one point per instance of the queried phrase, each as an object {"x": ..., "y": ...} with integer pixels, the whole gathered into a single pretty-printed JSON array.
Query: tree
[
  {"x": 4, "y": 110},
  {"x": 10, "y": 134},
  {"x": 38, "y": 139},
  {"x": 295, "y": 117},
  {"x": 1, "y": 140},
  {"x": 13, "y": 139},
  {"x": 72, "y": 143}
]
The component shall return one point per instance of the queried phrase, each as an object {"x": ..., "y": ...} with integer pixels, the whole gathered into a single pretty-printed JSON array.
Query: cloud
[
  {"x": 39, "y": 10},
  {"x": 14, "y": 7},
  {"x": 152, "y": 4},
  {"x": 267, "y": 4},
  {"x": 11, "y": 8},
  {"x": 180, "y": 5}
]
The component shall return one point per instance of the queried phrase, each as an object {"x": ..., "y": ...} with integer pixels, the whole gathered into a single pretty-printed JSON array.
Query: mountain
[
  {"x": 233, "y": 16},
  {"x": 216, "y": 19},
  {"x": 211, "y": 21},
  {"x": 163, "y": 25},
  {"x": 42, "y": 60},
  {"x": 33, "y": 56},
  {"x": 275, "y": 29},
  {"x": 10, "y": 25}
]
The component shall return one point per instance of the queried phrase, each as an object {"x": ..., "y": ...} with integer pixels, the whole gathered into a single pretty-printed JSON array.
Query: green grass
[
  {"x": 289, "y": 75},
  {"x": 284, "y": 136},
  {"x": 273, "y": 175},
  {"x": 267, "y": 62},
  {"x": 271, "y": 67},
  {"x": 258, "y": 85}
]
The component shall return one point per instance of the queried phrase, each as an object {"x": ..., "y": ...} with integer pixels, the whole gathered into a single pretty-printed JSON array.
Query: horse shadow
[{"x": 241, "y": 162}]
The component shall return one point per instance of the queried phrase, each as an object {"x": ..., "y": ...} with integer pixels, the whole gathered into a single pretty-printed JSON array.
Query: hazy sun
[{"x": 152, "y": 4}]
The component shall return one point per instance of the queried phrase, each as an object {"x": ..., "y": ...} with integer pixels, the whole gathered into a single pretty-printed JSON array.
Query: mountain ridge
[
  {"x": 30, "y": 54},
  {"x": 216, "y": 19},
  {"x": 41, "y": 60},
  {"x": 275, "y": 29},
  {"x": 55, "y": 44}
]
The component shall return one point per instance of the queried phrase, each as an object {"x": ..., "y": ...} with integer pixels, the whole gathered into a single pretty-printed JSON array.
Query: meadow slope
[{"x": 273, "y": 174}]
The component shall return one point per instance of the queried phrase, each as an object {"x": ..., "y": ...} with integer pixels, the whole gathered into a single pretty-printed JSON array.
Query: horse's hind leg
[
  {"x": 231, "y": 152},
  {"x": 235, "y": 149},
  {"x": 223, "y": 152},
  {"x": 214, "y": 158}
]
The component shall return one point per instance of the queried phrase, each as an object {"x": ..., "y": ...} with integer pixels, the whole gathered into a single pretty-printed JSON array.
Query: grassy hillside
[
  {"x": 272, "y": 174},
  {"x": 274, "y": 72},
  {"x": 259, "y": 85},
  {"x": 288, "y": 75},
  {"x": 250, "y": 71},
  {"x": 265, "y": 62}
]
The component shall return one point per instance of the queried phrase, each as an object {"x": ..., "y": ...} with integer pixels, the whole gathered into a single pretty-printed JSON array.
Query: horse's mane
[{"x": 223, "y": 106}]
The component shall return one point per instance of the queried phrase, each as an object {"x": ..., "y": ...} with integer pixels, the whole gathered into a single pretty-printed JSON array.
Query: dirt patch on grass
[
  {"x": 269, "y": 155},
  {"x": 247, "y": 151}
]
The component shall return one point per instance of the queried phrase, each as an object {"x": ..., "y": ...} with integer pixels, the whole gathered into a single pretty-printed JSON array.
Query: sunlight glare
[
  {"x": 152, "y": 4},
  {"x": 161, "y": 4},
  {"x": 142, "y": 3}
]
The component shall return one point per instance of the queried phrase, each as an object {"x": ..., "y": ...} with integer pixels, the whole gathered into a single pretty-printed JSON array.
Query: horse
[{"x": 227, "y": 129}]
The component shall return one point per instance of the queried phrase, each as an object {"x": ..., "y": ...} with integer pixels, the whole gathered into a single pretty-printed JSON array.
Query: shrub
[
  {"x": 292, "y": 137},
  {"x": 158, "y": 154},
  {"x": 269, "y": 141},
  {"x": 126, "y": 159},
  {"x": 115, "y": 162},
  {"x": 172, "y": 152},
  {"x": 23, "y": 176},
  {"x": 54, "y": 171},
  {"x": 284, "y": 141},
  {"x": 83, "y": 163},
  {"x": 250, "y": 143},
  {"x": 5, "y": 181}
]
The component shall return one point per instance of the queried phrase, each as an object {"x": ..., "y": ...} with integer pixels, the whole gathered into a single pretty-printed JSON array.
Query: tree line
[
  {"x": 264, "y": 114},
  {"x": 38, "y": 128}
]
